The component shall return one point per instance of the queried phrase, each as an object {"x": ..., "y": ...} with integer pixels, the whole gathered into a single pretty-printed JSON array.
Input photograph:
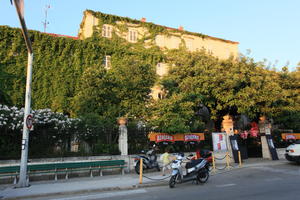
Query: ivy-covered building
[{"x": 149, "y": 35}]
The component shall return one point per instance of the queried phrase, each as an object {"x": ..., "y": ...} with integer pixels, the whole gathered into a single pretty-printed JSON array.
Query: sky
[{"x": 266, "y": 29}]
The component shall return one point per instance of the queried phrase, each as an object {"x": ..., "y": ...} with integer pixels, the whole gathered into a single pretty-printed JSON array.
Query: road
[{"x": 267, "y": 182}]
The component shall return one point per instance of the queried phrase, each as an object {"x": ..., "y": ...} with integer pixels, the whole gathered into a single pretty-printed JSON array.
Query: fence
[{"x": 228, "y": 163}]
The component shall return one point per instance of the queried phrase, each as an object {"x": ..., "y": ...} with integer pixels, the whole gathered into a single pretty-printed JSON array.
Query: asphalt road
[{"x": 268, "y": 182}]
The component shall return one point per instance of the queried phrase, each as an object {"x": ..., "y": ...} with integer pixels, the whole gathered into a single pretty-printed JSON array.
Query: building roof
[
  {"x": 135, "y": 21},
  {"x": 66, "y": 36}
]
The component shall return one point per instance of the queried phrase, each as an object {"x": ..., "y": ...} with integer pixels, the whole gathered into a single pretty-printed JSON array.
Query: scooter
[
  {"x": 207, "y": 155},
  {"x": 196, "y": 170},
  {"x": 149, "y": 161}
]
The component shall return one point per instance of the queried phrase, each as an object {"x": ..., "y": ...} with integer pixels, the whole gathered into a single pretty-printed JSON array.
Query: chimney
[
  {"x": 143, "y": 19},
  {"x": 180, "y": 28}
]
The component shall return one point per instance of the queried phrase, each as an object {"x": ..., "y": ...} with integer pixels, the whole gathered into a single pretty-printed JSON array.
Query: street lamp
[{"x": 19, "y": 4}]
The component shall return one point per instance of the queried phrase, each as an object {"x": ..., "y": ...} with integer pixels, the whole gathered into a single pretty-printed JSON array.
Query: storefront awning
[
  {"x": 290, "y": 136},
  {"x": 183, "y": 137}
]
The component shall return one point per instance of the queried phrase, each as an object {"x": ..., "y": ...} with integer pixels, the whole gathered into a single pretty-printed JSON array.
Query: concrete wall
[
  {"x": 220, "y": 48},
  {"x": 87, "y": 26},
  {"x": 128, "y": 159}
]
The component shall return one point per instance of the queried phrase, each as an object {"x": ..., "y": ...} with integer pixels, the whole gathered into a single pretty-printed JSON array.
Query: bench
[
  {"x": 12, "y": 171},
  {"x": 64, "y": 168}
]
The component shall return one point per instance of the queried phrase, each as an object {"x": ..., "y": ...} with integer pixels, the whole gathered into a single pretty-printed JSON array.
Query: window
[
  {"x": 106, "y": 31},
  {"x": 160, "y": 95},
  {"x": 189, "y": 44},
  {"x": 107, "y": 62},
  {"x": 161, "y": 69},
  {"x": 132, "y": 36}
]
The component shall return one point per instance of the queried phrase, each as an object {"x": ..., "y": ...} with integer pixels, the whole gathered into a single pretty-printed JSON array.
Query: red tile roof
[{"x": 67, "y": 36}]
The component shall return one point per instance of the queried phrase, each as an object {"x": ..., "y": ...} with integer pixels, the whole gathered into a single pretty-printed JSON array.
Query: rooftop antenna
[{"x": 45, "y": 22}]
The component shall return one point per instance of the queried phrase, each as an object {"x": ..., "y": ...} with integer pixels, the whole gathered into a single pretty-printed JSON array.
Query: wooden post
[
  {"x": 141, "y": 170},
  {"x": 227, "y": 160},
  {"x": 213, "y": 162},
  {"x": 240, "y": 159}
]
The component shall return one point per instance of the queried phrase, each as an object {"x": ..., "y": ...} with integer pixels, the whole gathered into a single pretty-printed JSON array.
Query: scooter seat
[{"x": 193, "y": 163}]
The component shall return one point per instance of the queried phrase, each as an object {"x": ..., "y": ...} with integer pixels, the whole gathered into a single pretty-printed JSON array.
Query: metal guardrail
[{"x": 228, "y": 164}]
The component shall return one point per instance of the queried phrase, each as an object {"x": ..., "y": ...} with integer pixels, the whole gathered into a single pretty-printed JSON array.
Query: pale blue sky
[{"x": 269, "y": 28}]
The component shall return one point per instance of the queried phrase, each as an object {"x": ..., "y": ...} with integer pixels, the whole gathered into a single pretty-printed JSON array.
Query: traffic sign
[{"x": 29, "y": 121}]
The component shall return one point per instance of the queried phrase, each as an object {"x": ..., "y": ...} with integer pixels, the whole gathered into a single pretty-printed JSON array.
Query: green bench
[
  {"x": 12, "y": 171},
  {"x": 64, "y": 168}
]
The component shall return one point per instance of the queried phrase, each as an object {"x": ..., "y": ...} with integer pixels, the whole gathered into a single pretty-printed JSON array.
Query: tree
[
  {"x": 225, "y": 86},
  {"x": 121, "y": 91},
  {"x": 172, "y": 115},
  {"x": 290, "y": 117}
]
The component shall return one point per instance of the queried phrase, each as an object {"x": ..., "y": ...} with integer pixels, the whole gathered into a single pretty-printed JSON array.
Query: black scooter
[
  {"x": 196, "y": 170},
  {"x": 149, "y": 161}
]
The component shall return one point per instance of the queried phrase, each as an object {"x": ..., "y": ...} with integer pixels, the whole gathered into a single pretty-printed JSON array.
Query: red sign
[
  {"x": 164, "y": 138},
  {"x": 191, "y": 137},
  {"x": 290, "y": 137},
  {"x": 29, "y": 121}
]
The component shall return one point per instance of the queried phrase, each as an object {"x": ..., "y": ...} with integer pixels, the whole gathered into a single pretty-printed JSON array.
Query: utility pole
[
  {"x": 45, "y": 22},
  {"x": 19, "y": 4}
]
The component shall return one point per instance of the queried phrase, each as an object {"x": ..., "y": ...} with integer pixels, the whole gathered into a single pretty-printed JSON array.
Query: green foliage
[
  {"x": 69, "y": 77},
  {"x": 64, "y": 73},
  {"x": 138, "y": 136},
  {"x": 172, "y": 115},
  {"x": 101, "y": 148},
  {"x": 225, "y": 87},
  {"x": 122, "y": 91}
]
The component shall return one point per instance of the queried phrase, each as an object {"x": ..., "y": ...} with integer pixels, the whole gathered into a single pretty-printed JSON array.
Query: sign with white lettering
[
  {"x": 219, "y": 141},
  {"x": 164, "y": 138},
  {"x": 191, "y": 137}
]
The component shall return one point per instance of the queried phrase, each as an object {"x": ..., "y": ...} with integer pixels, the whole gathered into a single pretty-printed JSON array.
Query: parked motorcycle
[
  {"x": 196, "y": 170},
  {"x": 207, "y": 155},
  {"x": 149, "y": 161}
]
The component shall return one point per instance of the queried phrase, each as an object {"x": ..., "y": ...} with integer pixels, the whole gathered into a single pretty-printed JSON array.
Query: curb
[
  {"x": 145, "y": 185},
  {"x": 107, "y": 189}
]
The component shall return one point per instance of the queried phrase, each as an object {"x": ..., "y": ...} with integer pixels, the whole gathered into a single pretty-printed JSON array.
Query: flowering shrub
[
  {"x": 12, "y": 119},
  {"x": 244, "y": 134},
  {"x": 50, "y": 129}
]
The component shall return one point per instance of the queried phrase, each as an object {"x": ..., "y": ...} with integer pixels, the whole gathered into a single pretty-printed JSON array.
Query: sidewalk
[{"x": 103, "y": 183}]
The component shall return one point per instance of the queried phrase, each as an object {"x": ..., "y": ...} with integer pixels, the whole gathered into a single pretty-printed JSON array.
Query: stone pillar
[
  {"x": 264, "y": 129},
  {"x": 123, "y": 138},
  {"x": 74, "y": 144},
  {"x": 227, "y": 126}
]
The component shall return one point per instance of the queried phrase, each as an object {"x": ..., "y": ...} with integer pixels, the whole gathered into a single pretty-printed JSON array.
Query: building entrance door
[
  {"x": 250, "y": 147},
  {"x": 253, "y": 146}
]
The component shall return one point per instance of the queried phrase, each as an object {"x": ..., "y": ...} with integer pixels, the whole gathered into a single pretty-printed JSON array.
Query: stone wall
[{"x": 128, "y": 159}]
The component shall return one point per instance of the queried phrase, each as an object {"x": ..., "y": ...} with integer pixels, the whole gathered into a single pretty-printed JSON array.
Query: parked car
[{"x": 292, "y": 152}]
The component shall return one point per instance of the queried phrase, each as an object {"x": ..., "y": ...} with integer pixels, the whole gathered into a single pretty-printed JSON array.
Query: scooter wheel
[
  {"x": 158, "y": 168},
  {"x": 172, "y": 181},
  {"x": 203, "y": 176}
]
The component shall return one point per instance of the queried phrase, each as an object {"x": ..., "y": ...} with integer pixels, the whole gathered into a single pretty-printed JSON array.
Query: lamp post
[{"x": 19, "y": 4}]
